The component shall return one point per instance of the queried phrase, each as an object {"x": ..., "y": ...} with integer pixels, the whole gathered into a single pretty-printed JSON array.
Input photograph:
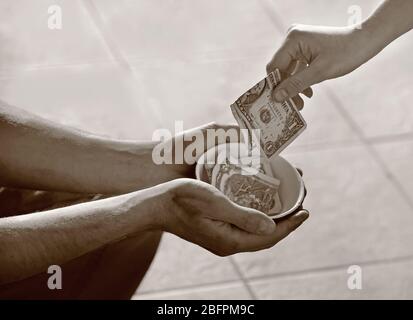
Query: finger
[
  {"x": 301, "y": 65},
  {"x": 293, "y": 68},
  {"x": 246, "y": 219},
  {"x": 249, "y": 220},
  {"x": 308, "y": 92},
  {"x": 295, "y": 84},
  {"x": 251, "y": 242},
  {"x": 294, "y": 65},
  {"x": 284, "y": 228},
  {"x": 299, "y": 102},
  {"x": 282, "y": 59}
]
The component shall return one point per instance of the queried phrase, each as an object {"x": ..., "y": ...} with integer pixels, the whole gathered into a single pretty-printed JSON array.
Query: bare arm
[
  {"x": 389, "y": 21},
  {"x": 39, "y": 154},
  {"x": 324, "y": 53},
  {"x": 30, "y": 243}
]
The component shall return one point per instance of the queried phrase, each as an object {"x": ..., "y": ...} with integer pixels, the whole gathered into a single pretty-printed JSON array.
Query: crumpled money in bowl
[{"x": 272, "y": 186}]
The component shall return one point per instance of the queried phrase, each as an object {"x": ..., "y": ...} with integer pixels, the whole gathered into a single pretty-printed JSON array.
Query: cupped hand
[{"x": 200, "y": 213}]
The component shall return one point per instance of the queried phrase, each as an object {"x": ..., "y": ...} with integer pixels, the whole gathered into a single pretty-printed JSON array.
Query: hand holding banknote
[{"x": 312, "y": 54}]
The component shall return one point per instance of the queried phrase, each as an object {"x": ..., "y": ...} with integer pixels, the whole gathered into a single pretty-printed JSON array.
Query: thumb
[
  {"x": 296, "y": 83},
  {"x": 249, "y": 220}
]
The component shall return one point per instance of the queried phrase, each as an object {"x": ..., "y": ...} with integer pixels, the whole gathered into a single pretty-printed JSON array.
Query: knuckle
[
  {"x": 186, "y": 182},
  {"x": 183, "y": 185},
  {"x": 293, "y": 31}
]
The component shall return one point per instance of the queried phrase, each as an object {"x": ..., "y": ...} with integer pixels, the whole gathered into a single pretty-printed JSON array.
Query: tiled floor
[{"x": 117, "y": 62}]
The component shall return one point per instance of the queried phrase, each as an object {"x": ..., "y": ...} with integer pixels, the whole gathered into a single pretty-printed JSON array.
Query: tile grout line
[
  {"x": 371, "y": 263},
  {"x": 205, "y": 286},
  {"x": 369, "y": 147},
  {"x": 243, "y": 279},
  {"x": 96, "y": 18},
  {"x": 405, "y": 137},
  {"x": 268, "y": 8}
]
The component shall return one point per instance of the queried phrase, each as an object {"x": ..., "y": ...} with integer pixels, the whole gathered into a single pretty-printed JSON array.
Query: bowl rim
[{"x": 301, "y": 194}]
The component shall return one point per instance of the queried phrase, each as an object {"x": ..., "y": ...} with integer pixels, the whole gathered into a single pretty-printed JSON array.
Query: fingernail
[
  {"x": 281, "y": 95},
  {"x": 266, "y": 227}
]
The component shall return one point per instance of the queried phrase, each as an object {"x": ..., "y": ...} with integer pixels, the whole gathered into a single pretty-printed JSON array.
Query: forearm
[
  {"x": 389, "y": 21},
  {"x": 38, "y": 154},
  {"x": 29, "y": 244}
]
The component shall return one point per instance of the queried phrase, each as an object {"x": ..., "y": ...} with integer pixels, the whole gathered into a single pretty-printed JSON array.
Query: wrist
[
  {"x": 148, "y": 208},
  {"x": 373, "y": 35},
  {"x": 363, "y": 48}
]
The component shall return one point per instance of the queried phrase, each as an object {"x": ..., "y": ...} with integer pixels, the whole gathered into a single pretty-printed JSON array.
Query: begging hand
[{"x": 200, "y": 213}]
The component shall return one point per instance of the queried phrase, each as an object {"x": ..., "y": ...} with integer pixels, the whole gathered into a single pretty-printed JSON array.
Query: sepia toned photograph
[{"x": 213, "y": 150}]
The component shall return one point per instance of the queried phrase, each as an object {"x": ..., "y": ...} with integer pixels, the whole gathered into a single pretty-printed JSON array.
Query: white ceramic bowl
[{"x": 292, "y": 190}]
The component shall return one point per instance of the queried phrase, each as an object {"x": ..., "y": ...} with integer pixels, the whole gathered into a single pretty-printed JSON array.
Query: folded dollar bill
[
  {"x": 278, "y": 124},
  {"x": 249, "y": 189}
]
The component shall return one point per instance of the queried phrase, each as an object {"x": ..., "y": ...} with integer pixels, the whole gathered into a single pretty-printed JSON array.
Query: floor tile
[
  {"x": 398, "y": 158},
  {"x": 387, "y": 281},
  {"x": 179, "y": 264},
  {"x": 99, "y": 99},
  {"x": 27, "y": 40},
  {"x": 380, "y": 108},
  {"x": 180, "y": 30},
  {"x": 197, "y": 93},
  {"x": 325, "y": 125},
  {"x": 176, "y": 91},
  {"x": 356, "y": 216},
  {"x": 233, "y": 291}
]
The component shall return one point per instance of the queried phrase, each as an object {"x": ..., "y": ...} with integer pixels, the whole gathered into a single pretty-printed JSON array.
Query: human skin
[
  {"x": 125, "y": 227},
  {"x": 313, "y": 54}
]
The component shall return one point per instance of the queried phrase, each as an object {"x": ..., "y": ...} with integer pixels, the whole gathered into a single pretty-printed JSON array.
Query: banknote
[
  {"x": 261, "y": 164},
  {"x": 279, "y": 124},
  {"x": 256, "y": 191},
  {"x": 253, "y": 160}
]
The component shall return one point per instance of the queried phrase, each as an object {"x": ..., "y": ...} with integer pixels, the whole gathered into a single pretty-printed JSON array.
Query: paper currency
[
  {"x": 261, "y": 164},
  {"x": 256, "y": 191},
  {"x": 279, "y": 123}
]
